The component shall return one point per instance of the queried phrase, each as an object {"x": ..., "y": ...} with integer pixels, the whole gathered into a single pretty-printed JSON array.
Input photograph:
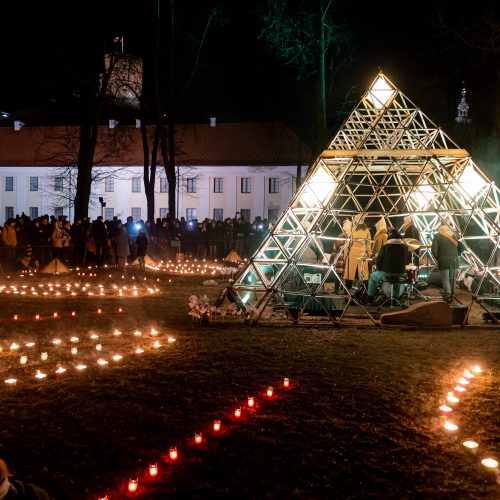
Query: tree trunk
[{"x": 150, "y": 169}]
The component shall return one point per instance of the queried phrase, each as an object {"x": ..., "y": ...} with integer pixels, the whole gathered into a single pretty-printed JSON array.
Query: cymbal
[{"x": 412, "y": 243}]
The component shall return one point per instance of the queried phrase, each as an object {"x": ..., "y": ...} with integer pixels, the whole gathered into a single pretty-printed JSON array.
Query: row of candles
[
  {"x": 56, "y": 315},
  {"x": 76, "y": 289},
  {"x": 198, "y": 439},
  {"x": 44, "y": 356},
  {"x": 446, "y": 410}
]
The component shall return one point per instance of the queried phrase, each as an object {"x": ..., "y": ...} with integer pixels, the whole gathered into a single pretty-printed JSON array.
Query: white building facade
[{"x": 215, "y": 187}]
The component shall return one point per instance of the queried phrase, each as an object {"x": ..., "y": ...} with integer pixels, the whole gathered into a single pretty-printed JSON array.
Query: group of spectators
[{"x": 28, "y": 245}]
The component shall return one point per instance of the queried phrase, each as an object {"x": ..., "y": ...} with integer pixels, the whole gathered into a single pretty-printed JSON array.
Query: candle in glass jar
[
  {"x": 286, "y": 382},
  {"x": 23, "y": 360},
  {"x": 269, "y": 392},
  {"x": 251, "y": 401},
  {"x": 237, "y": 412},
  {"x": 133, "y": 483},
  {"x": 172, "y": 453},
  {"x": 198, "y": 438},
  {"x": 74, "y": 350},
  {"x": 445, "y": 410},
  {"x": 153, "y": 470},
  {"x": 217, "y": 425},
  {"x": 44, "y": 356}
]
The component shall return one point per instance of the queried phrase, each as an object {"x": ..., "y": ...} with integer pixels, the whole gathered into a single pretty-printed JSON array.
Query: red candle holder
[
  {"x": 269, "y": 392},
  {"x": 286, "y": 382},
  {"x": 153, "y": 470},
  {"x": 198, "y": 437},
  {"x": 445, "y": 410},
  {"x": 217, "y": 425},
  {"x": 172, "y": 453},
  {"x": 133, "y": 484},
  {"x": 237, "y": 412},
  {"x": 251, "y": 401}
]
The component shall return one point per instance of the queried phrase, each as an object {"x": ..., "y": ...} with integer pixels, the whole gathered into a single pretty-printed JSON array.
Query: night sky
[{"x": 48, "y": 46}]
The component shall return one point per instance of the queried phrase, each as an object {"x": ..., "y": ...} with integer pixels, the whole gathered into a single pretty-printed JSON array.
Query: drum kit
[{"x": 414, "y": 246}]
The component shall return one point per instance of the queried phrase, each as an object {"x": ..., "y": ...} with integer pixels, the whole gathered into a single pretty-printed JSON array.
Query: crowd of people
[
  {"x": 28, "y": 245},
  {"x": 389, "y": 253}
]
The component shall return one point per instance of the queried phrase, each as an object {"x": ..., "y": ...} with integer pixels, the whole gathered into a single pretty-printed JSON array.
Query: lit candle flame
[
  {"x": 132, "y": 485},
  {"x": 450, "y": 426},
  {"x": 153, "y": 470},
  {"x": 198, "y": 438},
  {"x": 237, "y": 412},
  {"x": 172, "y": 453},
  {"x": 286, "y": 382},
  {"x": 217, "y": 425},
  {"x": 251, "y": 401},
  {"x": 490, "y": 463},
  {"x": 477, "y": 369},
  {"x": 472, "y": 445}
]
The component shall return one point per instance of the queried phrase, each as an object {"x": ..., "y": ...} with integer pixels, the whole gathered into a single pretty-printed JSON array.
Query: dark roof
[{"x": 251, "y": 144}]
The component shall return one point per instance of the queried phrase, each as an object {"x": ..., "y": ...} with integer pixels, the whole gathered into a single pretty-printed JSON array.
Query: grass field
[{"x": 360, "y": 419}]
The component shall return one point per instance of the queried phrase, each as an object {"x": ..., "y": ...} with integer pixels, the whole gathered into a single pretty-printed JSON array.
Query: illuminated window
[
  {"x": 191, "y": 185},
  {"x": 218, "y": 214},
  {"x": 33, "y": 213},
  {"x": 274, "y": 185},
  {"x": 109, "y": 185},
  {"x": 245, "y": 214},
  {"x": 136, "y": 184},
  {"x": 9, "y": 213},
  {"x": 218, "y": 185},
  {"x": 33, "y": 183},
  {"x": 246, "y": 185}
]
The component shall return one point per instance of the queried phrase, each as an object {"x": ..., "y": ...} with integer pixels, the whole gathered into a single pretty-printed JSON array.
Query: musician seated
[{"x": 391, "y": 261}]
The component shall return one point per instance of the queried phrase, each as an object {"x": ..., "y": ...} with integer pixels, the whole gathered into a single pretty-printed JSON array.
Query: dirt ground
[{"x": 360, "y": 420}]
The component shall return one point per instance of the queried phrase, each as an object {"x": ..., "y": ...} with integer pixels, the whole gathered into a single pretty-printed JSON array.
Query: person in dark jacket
[
  {"x": 142, "y": 249},
  {"x": 391, "y": 261},
  {"x": 409, "y": 228},
  {"x": 445, "y": 249},
  {"x": 100, "y": 236},
  {"x": 11, "y": 488}
]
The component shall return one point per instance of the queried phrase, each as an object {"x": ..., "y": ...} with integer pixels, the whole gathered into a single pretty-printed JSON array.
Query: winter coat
[
  {"x": 412, "y": 232},
  {"x": 122, "y": 247},
  {"x": 339, "y": 254},
  {"x": 142, "y": 245},
  {"x": 380, "y": 236},
  {"x": 393, "y": 257},
  {"x": 59, "y": 237},
  {"x": 9, "y": 236},
  {"x": 360, "y": 244},
  {"x": 446, "y": 249}
]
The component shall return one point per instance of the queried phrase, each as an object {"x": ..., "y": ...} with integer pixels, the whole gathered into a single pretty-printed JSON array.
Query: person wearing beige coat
[
  {"x": 380, "y": 238},
  {"x": 359, "y": 246}
]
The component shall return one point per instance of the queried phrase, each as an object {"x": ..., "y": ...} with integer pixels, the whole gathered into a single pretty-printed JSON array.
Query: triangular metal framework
[{"x": 388, "y": 159}]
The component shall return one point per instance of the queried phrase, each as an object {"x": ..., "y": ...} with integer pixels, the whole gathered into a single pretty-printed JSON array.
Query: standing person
[
  {"x": 339, "y": 254},
  {"x": 380, "y": 238},
  {"x": 100, "y": 236},
  {"x": 9, "y": 240},
  {"x": 409, "y": 229},
  {"x": 358, "y": 252},
  {"x": 391, "y": 261},
  {"x": 445, "y": 249},
  {"x": 142, "y": 249},
  {"x": 59, "y": 240},
  {"x": 122, "y": 247}
]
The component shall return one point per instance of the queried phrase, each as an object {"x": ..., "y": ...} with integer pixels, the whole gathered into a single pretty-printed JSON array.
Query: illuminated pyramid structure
[{"x": 388, "y": 159}]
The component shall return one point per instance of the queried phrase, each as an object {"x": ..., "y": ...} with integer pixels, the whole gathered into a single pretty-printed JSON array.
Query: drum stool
[{"x": 388, "y": 284}]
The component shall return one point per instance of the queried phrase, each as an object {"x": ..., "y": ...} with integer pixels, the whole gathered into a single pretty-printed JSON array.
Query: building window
[
  {"x": 245, "y": 214},
  {"x": 33, "y": 183},
  {"x": 9, "y": 184},
  {"x": 58, "y": 211},
  {"x": 191, "y": 185},
  {"x": 34, "y": 211},
  {"x": 218, "y": 185},
  {"x": 163, "y": 213},
  {"x": 58, "y": 183},
  {"x": 246, "y": 185},
  {"x": 190, "y": 213},
  {"x": 218, "y": 214},
  {"x": 136, "y": 213},
  {"x": 274, "y": 185},
  {"x": 136, "y": 184},
  {"x": 109, "y": 185},
  {"x": 273, "y": 214},
  {"x": 9, "y": 213},
  {"x": 163, "y": 185},
  {"x": 109, "y": 213}
]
